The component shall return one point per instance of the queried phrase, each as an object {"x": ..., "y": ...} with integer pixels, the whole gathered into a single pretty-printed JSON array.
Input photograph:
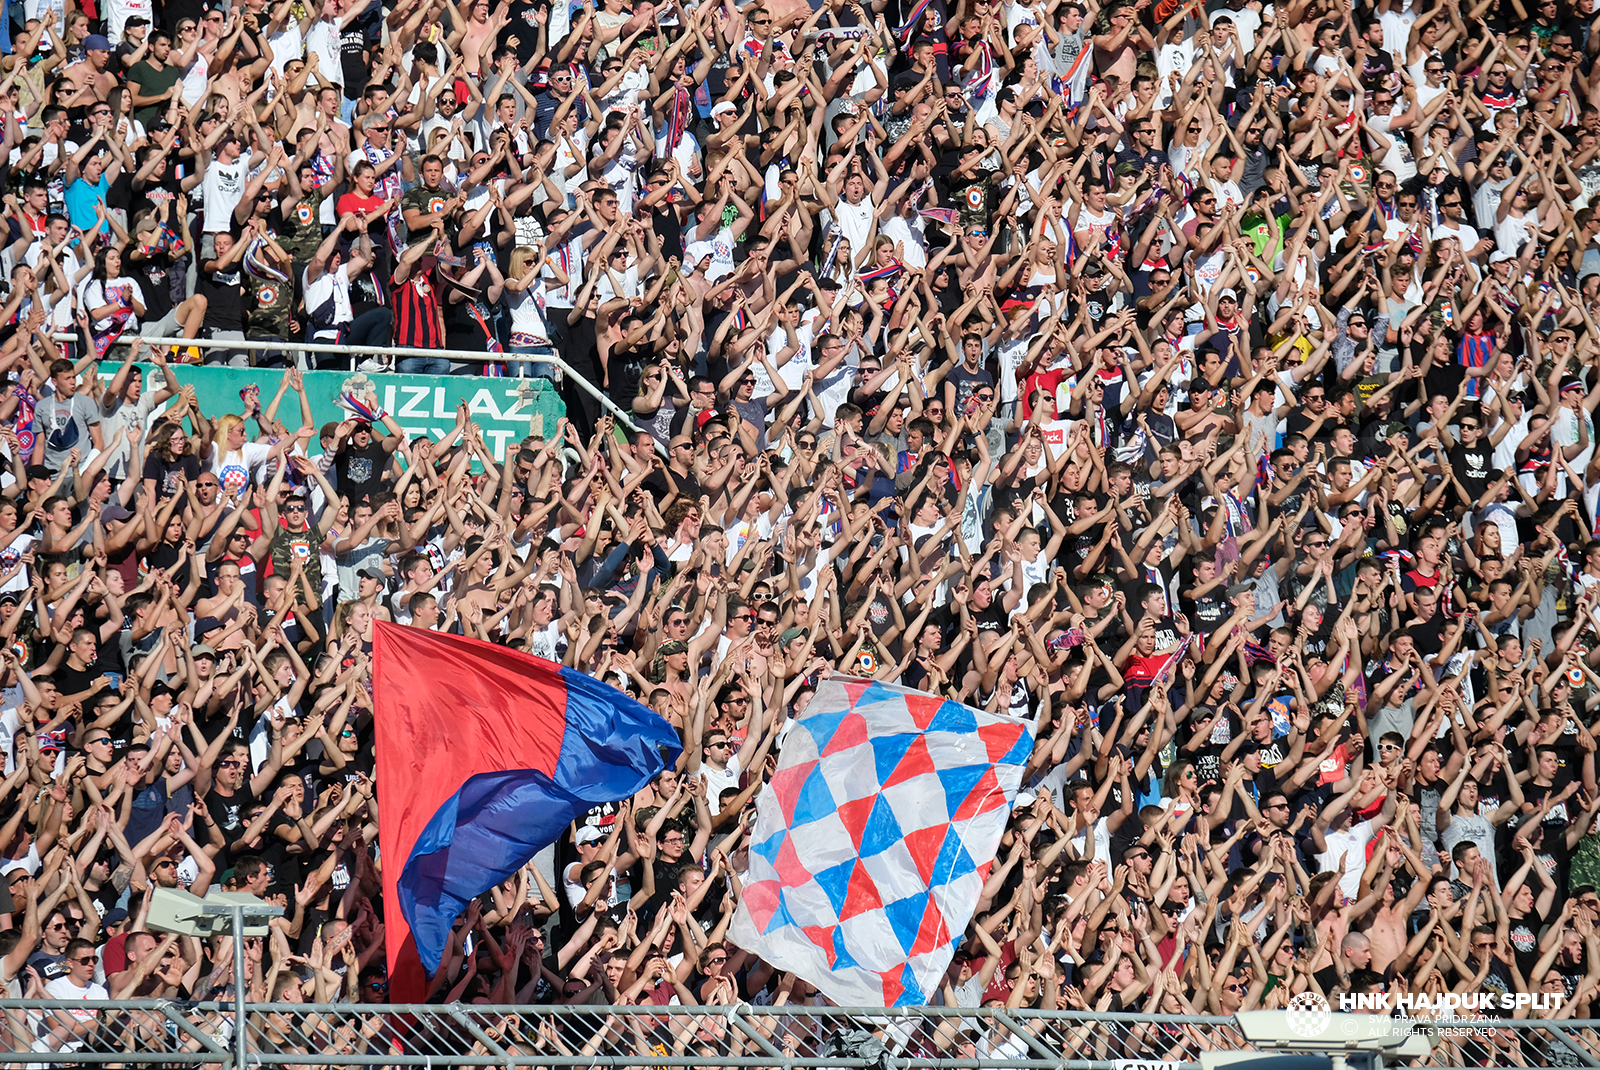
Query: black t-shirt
[
  {"x": 523, "y": 24},
  {"x": 1208, "y": 611},
  {"x": 76, "y": 681},
  {"x": 153, "y": 271},
  {"x": 360, "y": 471},
  {"x": 1472, "y": 469},
  {"x": 167, "y": 474},
  {"x": 354, "y": 44},
  {"x": 228, "y": 812},
  {"x": 224, "y": 293},
  {"x": 664, "y": 221},
  {"x": 625, "y": 368}
]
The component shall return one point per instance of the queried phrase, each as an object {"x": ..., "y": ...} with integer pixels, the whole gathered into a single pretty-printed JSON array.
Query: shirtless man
[
  {"x": 92, "y": 71},
  {"x": 1117, "y": 51},
  {"x": 1386, "y": 926}
]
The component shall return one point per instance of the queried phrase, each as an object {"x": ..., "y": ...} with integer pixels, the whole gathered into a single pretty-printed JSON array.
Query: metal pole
[
  {"x": 624, "y": 417},
  {"x": 241, "y": 1047}
]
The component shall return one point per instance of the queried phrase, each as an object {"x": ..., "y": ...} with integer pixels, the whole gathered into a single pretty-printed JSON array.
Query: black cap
[
  {"x": 202, "y": 625},
  {"x": 38, "y": 471}
]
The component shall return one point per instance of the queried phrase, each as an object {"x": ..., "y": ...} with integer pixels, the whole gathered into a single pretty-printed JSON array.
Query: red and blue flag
[{"x": 484, "y": 756}]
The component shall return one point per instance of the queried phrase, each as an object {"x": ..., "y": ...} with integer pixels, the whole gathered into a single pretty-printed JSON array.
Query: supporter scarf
[
  {"x": 1386, "y": 207},
  {"x": 885, "y": 272},
  {"x": 830, "y": 259},
  {"x": 322, "y": 168},
  {"x": 104, "y": 340},
  {"x": 477, "y": 310},
  {"x": 842, "y": 33},
  {"x": 1235, "y": 520},
  {"x": 1499, "y": 101},
  {"x": 1566, "y": 566},
  {"x": 1256, "y": 652},
  {"x": 1066, "y": 80},
  {"x": 388, "y": 187},
  {"x": 257, "y": 263},
  {"x": 1164, "y": 676},
  {"x": 1570, "y": 112},
  {"x": 981, "y": 83},
  {"x": 677, "y": 123},
  {"x": 903, "y": 33},
  {"x": 26, "y": 404},
  {"x": 1101, "y": 433}
]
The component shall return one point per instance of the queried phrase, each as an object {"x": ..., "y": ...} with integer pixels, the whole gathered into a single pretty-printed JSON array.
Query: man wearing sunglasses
[{"x": 69, "y": 1028}]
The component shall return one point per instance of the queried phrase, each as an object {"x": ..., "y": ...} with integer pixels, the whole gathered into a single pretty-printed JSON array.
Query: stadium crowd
[{"x": 1211, "y": 385}]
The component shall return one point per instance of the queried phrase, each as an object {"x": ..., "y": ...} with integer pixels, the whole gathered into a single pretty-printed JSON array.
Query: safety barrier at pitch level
[
  {"x": 355, "y": 354},
  {"x": 166, "y": 1033}
]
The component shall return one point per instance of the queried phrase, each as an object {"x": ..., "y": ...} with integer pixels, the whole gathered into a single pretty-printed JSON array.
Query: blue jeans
[
  {"x": 425, "y": 365},
  {"x": 531, "y": 369}
]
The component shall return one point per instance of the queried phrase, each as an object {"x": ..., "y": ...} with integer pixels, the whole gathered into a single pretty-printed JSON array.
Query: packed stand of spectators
[{"x": 1212, "y": 387}]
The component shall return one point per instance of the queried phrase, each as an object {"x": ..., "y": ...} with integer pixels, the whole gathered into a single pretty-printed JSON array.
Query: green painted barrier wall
[{"x": 508, "y": 410}]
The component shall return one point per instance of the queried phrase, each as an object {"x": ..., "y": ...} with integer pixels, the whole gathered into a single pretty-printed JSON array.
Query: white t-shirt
[
  {"x": 92, "y": 293},
  {"x": 286, "y": 45},
  {"x": 334, "y": 284},
  {"x": 1351, "y": 842},
  {"x": 34, "y": 9},
  {"x": 223, "y": 188},
  {"x": 322, "y": 53},
  {"x": 1462, "y": 232},
  {"x": 855, "y": 222},
  {"x": 718, "y": 781},
  {"x": 234, "y": 467},
  {"x": 63, "y": 989},
  {"x": 1510, "y": 233},
  {"x": 118, "y": 12},
  {"x": 1398, "y": 158}
]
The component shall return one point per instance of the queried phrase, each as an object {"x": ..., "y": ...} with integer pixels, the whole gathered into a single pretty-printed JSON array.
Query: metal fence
[
  {"x": 164, "y": 1033},
  {"x": 330, "y": 356}
]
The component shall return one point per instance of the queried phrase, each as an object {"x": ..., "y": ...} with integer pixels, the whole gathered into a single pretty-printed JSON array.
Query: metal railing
[
  {"x": 355, "y": 353},
  {"x": 166, "y": 1033}
]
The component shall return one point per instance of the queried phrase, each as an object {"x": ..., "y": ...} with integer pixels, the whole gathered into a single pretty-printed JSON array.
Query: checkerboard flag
[{"x": 872, "y": 842}]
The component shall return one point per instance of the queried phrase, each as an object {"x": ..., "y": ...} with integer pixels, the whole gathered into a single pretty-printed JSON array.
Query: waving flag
[
  {"x": 872, "y": 841},
  {"x": 484, "y": 756}
]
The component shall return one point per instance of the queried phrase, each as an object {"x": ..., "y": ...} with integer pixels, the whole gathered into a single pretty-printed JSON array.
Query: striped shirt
[{"x": 416, "y": 312}]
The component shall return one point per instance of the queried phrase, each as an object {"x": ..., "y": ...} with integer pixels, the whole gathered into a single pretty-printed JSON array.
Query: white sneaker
[{"x": 373, "y": 364}]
